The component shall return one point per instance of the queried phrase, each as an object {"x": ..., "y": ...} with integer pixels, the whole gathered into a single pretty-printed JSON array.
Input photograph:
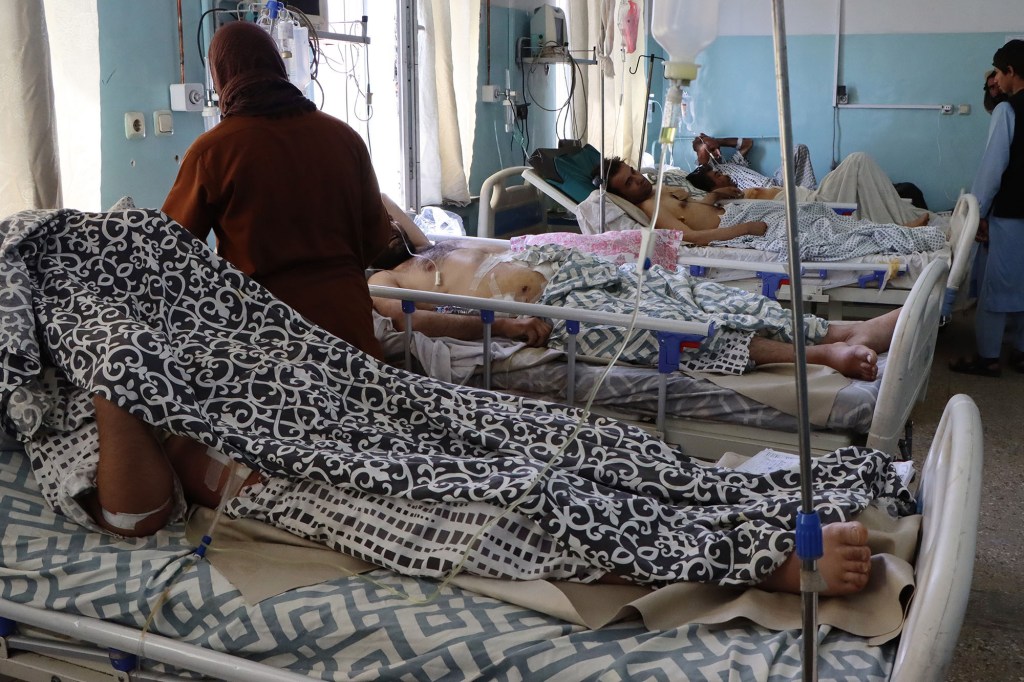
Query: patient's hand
[
  {"x": 533, "y": 330},
  {"x": 724, "y": 193}
]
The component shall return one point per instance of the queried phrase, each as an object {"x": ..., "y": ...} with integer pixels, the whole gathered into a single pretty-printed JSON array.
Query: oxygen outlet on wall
[{"x": 187, "y": 96}]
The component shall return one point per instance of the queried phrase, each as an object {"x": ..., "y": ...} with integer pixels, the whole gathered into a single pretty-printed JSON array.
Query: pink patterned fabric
[{"x": 620, "y": 247}]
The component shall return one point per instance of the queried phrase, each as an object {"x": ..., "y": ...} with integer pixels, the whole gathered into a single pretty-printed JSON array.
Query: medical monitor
[{"x": 316, "y": 10}]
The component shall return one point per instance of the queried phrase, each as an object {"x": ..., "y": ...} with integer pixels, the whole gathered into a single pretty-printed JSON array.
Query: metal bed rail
[{"x": 673, "y": 335}]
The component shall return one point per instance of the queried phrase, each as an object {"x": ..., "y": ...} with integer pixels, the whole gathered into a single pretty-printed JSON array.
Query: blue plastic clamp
[
  {"x": 487, "y": 316},
  {"x": 7, "y": 627},
  {"x": 408, "y": 307},
  {"x": 809, "y": 544},
  {"x": 200, "y": 550},
  {"x": 572, "y": 326},
  {"x": 698, "y": 271}
]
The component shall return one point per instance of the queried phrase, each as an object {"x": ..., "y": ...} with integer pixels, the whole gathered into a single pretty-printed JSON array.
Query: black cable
[{"x": 199, "y": 30}]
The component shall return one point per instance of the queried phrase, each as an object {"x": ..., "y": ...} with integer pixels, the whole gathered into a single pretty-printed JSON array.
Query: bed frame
[
  {"x": 71, "y": 648},
  {"x": 903, "y": 384},
  {"x": 833, "y": 291}
]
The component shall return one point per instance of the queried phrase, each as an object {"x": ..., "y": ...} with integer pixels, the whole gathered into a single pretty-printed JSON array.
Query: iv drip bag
[
  {"x": 629, "y": 22},
  {"x": 684, "y": 28}
]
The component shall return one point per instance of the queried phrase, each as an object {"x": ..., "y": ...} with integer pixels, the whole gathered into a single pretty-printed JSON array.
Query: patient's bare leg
[
  {"x": 845, "y": 563},
  {"x": 851, "y": 360},
  {"x": 134, "y": 481},
  {"x": 875, "y": 333}
]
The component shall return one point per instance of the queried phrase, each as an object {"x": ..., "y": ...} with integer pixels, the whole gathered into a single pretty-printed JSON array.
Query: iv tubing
[{"x": 808, "y": 565}]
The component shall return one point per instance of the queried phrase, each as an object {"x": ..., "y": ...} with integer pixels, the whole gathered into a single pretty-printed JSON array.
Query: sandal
[
  {"x": 1017, "y": 360},
  {"x": 985, "y": 367}
]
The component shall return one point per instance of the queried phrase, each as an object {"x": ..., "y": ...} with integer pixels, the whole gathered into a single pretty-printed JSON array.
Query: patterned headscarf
[{"x": 250, "y": 76}]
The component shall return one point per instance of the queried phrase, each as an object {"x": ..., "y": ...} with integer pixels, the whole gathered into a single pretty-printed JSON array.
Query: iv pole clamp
[{"x": 808, "y": 535}]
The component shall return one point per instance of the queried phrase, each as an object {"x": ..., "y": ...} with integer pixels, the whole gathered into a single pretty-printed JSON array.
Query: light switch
[
  {"x": 163, "y": 122},
  {"x": 134, "y": 125}
]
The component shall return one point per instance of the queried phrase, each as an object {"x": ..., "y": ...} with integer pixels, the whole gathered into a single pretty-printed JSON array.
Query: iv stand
[{"x": 808, "y": 535}]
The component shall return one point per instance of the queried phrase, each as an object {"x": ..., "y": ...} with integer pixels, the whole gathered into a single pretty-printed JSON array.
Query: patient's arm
[
  {"x": 761, "y": 192},
  {"x": 534, "y": 331},
  {"x": 705, "y": 237}
]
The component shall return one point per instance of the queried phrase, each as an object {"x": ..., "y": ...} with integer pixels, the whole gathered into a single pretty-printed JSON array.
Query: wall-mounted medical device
[{"x": 547, "y": 30}]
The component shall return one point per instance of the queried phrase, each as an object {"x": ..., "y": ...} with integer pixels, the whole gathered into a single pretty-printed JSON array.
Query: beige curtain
[
  {"x": 592, "y": 24},
  {"x": 449, "y": 56},
  {"x": 29, "y": 165}
]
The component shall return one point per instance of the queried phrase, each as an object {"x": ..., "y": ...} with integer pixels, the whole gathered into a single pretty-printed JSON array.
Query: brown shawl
[{"x": 250, "y": 76}]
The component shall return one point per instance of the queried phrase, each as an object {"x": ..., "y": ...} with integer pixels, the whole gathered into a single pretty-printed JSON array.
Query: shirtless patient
[
  {"x": 697, "y": 219},
  {"x": 709, "y": 178},
  {"x": 467, "y": 269}
]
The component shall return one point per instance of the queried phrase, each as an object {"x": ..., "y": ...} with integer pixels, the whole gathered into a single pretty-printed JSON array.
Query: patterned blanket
[
  {"x": 587, "y": 282},
  {"x": 128, "y": 306},
  {"x": 824, "y": 234}
]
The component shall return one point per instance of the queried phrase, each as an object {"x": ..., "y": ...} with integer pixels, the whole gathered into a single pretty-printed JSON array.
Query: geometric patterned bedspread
[{"x": 353, "y": 629}]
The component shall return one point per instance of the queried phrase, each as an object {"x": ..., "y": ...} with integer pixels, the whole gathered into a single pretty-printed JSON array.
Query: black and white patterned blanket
[{"x": 127, "y": 305}]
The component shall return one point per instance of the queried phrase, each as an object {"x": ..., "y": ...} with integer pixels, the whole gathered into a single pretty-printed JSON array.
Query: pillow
[
  {"x": 619, "y": 247},
  {"x": 577, "y": 169}
]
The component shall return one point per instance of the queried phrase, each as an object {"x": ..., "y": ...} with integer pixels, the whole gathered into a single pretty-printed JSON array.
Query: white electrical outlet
[{"x": 134, "y": 125}]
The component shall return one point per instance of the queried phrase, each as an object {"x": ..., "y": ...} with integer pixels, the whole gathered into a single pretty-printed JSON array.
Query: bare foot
[
  {"x": 875, "y": 333},
  {"x": 918, "y": 222},
  {"x": 853, "y": 361},
  {"x": 845, "y": 563}
]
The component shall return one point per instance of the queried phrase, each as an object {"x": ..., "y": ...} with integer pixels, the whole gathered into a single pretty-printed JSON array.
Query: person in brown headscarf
[{"x": 289, "y": 191}]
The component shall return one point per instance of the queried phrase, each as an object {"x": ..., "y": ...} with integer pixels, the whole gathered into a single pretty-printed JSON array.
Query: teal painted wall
[
  {"x": 493, "y": 148},
  {"x": 735, "y": 94},
  {"x": 138, "y": 44}
]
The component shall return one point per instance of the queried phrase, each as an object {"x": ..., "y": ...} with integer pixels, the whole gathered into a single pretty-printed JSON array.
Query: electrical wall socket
[
  {"x": 964, "y": 109},
  {"x": 947, "y": 108},
  {"x": 134, "y": 125}
]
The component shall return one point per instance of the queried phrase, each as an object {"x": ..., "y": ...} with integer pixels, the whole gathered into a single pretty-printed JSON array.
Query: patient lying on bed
[
  {"x": 131, "y": 391},
  {"x": 858, "y": 179},
  {"x": 750, "y": 328},
  {"x": 712, "y": 219}
]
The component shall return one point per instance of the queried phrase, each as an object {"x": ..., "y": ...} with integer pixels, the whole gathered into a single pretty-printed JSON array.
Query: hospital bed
[
  {"x": 690, "y": 409},
  {"x": 868, "y": 282},
  {"x": 66, "y": 590}
]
